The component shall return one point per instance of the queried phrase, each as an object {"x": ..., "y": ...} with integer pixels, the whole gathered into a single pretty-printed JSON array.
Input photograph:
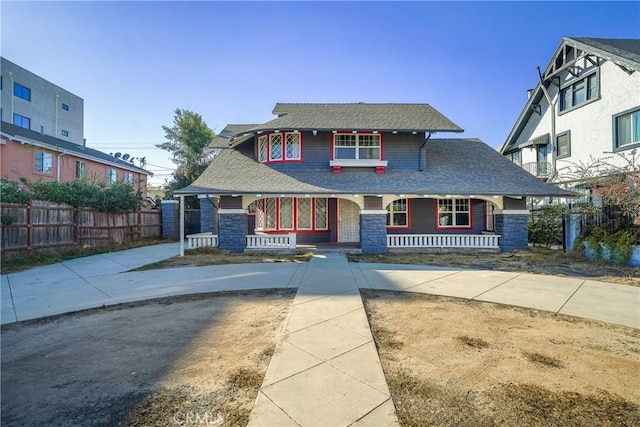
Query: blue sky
[{"x": 134, "y": 63}]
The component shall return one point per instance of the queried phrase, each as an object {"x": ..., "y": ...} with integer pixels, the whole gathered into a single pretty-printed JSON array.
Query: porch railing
[
  {"x": 484, "y": 241},
  {"x": 539, "y": 169},
  {"x": 272, "y": 241},
  {"x": 202, "y": 240}
]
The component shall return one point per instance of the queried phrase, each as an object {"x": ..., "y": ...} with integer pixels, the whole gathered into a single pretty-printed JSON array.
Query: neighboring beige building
[{"x": 594, "y": 88}]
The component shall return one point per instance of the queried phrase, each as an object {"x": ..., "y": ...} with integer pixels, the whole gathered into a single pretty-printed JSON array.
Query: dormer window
[
  {"x": 280, "y": 147},
  {"x": 357, "y": 150}
]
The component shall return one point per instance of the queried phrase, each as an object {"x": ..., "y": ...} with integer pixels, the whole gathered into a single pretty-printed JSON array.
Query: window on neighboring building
[
  {"x": 357, "y": 146},
  {"x": 579, "y": 92},
  {"x": 81, "y": 169},
  {"x": 289, "y": 214},
  {"x": 64, "y": 132},
  {"x": 398, "y": 213},
  {"x": 21, "y": 91},
  {"x": 280, "y": 147},
  {"x": 43, "y": 162},
  {"x": 22, "y": 121},
  {"x": 454, "y": 213},
  {"x": 515, "y": 157},
  {"x": 626, "y": 129},
  {"x": 65, "y": 107},
  {"x": 112, "y": 176},
  {"x": 563, "y": 145},
  {"x": 128, "y": 178}
]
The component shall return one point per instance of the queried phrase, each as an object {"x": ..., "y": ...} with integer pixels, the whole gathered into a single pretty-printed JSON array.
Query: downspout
[
  {"x": 421, "y": 164},
  {"x": 552, "y": 143},
  {"x": 60, "y": 154}
]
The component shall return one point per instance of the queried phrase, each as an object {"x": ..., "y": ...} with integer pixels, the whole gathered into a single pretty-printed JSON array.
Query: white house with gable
[{"x": 584, "y": 114}]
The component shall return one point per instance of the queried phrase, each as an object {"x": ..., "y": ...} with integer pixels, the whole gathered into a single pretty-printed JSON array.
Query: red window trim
[
  {"x": 403, "y": 227},
  {"x": 441, "y": 227},
  {"x": 261, "y": 204},
  {"x": 349, "y": 132},
  {"x": 284, "y": 158}
]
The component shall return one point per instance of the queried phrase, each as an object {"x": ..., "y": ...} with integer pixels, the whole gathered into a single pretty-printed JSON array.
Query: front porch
[{"x": 365, "y": 224}]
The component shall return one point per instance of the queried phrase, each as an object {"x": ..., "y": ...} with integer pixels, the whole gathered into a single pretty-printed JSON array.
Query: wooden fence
[{"x": 42, "y": 225}]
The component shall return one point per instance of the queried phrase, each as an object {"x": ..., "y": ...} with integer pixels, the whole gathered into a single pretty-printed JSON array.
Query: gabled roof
[
  {"x": 624, "y": 52},
  {"x": 32, "y": 137},
  {"x": 222, "y": 139},
  {"x": 359, "y": 116},
  {"x": 454, "y": 166}
]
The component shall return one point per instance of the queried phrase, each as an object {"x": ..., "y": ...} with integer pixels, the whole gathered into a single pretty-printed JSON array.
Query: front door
[{"x": 348, "y": 221}]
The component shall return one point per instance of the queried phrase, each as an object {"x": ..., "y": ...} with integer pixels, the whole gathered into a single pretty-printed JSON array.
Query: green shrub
[{"x": 545, "y": 225}]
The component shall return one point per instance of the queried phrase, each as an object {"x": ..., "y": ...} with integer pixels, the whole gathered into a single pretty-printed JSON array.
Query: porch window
[
  {"x": 279, "y": 147},
  {"x": 398, "y": 214},
  {"x": 454, "y": 213},
  {"x": 291, "y": 214},
  {"x": 357, "y": 146}
]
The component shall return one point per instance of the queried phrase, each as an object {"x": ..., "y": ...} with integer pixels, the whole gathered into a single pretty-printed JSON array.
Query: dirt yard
[
  {"x": 450, "y": 362},
  {"x": 179, "y": 361},
  {"x": 536, "y": 260}
]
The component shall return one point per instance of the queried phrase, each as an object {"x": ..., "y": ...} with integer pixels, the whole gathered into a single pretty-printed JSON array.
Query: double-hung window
[
  {"x": 563, "y": 145},
  {"x": 454, "y": 213},
  {"x": 43, "y": 162},
  {"x": 128, "y": 178},
  {"x": 112, "y": 176},
  {"x": 515, "y": 157},
  {"x": 579, "y": 92},
  {"x": 81, "y": 169},
  {"x": 398, "y": 213},
  {"x": 352, "y": 146},
  {"x": 626, "y": 128}
]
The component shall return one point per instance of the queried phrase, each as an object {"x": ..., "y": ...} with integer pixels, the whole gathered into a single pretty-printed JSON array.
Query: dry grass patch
[
  {"x": 451, "y": 362},
  {"x": 212, "y": 256},
  {"x": 535, "y": 260}
]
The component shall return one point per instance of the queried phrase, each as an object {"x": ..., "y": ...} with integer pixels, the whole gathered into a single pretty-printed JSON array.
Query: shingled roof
[
  {"x": 358, "y": 116},
  {"x": 61, "y": 145},
  {"x": 222, "y": 139},
  {"x": 454, "y": 166}
]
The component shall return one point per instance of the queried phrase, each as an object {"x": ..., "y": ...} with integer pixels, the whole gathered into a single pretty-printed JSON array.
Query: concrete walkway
[{"x": 325, "y": 370}]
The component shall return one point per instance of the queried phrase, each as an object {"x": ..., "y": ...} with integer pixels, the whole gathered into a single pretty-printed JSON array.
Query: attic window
[{"x": 279, "y": 147}]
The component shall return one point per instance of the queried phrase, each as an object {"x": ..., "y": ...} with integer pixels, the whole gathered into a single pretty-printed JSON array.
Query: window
[
  {"x": 81, "y": 170},
  {"x": 398, "y": 214},
  {"x": 289, "y": 214},
  {"x": 128, "y": 178},
  {"x": 626, "y": 130},
  {"x": 43, "y": 162},
  {"x": 490, "y": 216},
  {"x": 65, "y": 107},
  {"x": 357, "y": 146},
  {"x": 22, "y": 121},
  {"x": 579, "y": 92},
  {"x": 22, "y": 91},
  {"x": 280, "y": 147},
  {"x": 515, "y": 157},
  {"x": 563, "y": 145},
  {"x": 64, "y": 132},
  {"x": 262, "y": 149},
  {"x": 112, "y": 176},
  {"x": 275, "y": 146},
  {"x": 454, "y": 213}
]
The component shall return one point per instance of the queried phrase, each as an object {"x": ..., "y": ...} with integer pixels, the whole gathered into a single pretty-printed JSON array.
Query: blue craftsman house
[{"x": 371, "y": 176}]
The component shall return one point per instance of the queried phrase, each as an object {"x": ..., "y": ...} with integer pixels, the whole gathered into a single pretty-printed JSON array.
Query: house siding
[{"x": 423, "y": 219}]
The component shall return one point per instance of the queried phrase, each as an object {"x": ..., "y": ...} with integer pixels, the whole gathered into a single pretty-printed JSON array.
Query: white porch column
[{"x": 181, "y": 226}]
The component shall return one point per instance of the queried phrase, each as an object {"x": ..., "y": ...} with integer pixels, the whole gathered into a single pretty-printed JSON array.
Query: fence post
[{"x": 29, "y": 226}]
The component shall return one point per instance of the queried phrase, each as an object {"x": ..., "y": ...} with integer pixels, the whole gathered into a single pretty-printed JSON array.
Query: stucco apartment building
[{"x": 42, "y": 135}]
